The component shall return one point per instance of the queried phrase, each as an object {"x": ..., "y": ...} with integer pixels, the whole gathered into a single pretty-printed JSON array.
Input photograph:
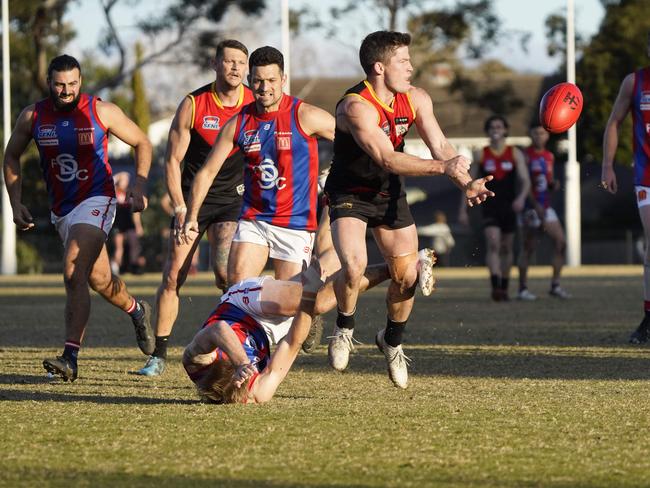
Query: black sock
[
  {"x": 496, "y": 281},
  {"x": 345, "y": 321},
  {"x": 554, "y": 284},
  {"x": 71, "y": 351},
  {"x": 394, "y": 331},
  {"x": 504, "y": 284},
  {"x": 161, "y": 347}
]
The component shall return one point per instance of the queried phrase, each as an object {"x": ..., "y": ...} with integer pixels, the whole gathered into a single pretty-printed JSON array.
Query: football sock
[
  {"x": 504, "y": 283},
  {"x": 345, "y": 321},
  {"x": 161, "y": 347},
  {"x": 394, "y": 331},
  {"x": 71, "y": 351},
  {"x": 554, "y": 284},
  {"x": 646, "y": 308},
  {"x": 495, "y": 280},
  {"x": 135, "y": 310}
]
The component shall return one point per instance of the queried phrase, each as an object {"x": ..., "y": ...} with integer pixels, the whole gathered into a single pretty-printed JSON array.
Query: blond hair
[{"x": 217, "y": 385}]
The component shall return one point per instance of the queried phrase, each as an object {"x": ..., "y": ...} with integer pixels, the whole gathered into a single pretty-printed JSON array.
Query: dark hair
[
  {"x": 230, "y": 43},
  {"x": 62, "y": 63},
  {"x": 265, "y": 56},
  {"x": 491, "y": 119},
  {"x": 379, "y": 47},
  {"x": 535, "y": 124}
]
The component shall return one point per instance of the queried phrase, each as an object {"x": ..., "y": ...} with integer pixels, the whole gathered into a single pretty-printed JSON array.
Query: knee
[
  {"x": 173, "y": 279},
  {"x": 353, "y": 269},
  {"x": 73, "y": 277},
  {"x": 560, "y": 246},
  {"x": 403, "y": 271}
]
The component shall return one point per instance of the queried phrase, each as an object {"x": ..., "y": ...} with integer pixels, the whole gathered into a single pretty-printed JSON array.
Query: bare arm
[
  {"x": 524, "y": 180},
  {"x": 219, "y": 335},
  {"x": 177, "y": 143},
  {"x": 205, "y": 176},
  {"x": 127, "y": 131},
  {"x": 360, "y": 119},
  {"x": 610, "y": 138},
  {"x": 17, "y": 144},
  {"x": 316, "y": 121}
]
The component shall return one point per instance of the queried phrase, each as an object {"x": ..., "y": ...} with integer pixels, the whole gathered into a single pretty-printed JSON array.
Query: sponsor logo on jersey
[
  {"x": 47, "y": 135},
  {"x": 269, "y": 175},
  {"x": 251, "y": 141},
  {"x": 240, "y": 189},
  {"x": 65, "y": 123},
  {"x": 386, "y": 128},
  {"x": 644, "y": 101},
  {"x": 647, "y": 128},
  {"x": 284, "y": 141},
  {"x": 68, "y": 168},
  {"x": 85, "y": 138},
  {"x": 95, "y": 212},
  {"x": 507, "y": 165},
  {"x": 211, "y": 122},
  {"x": 401, "y": 126},
  {"x": 490, "y": 165}
]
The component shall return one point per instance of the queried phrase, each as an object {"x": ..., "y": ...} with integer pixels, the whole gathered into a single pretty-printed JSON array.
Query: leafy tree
[{"x": 139, "y": 104}]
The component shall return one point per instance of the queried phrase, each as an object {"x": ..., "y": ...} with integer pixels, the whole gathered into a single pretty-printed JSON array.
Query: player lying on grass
[{"x": 229, "y": 359}]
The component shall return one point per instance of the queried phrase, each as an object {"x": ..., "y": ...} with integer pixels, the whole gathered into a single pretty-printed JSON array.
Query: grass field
[{"x": 514, "y": 395}]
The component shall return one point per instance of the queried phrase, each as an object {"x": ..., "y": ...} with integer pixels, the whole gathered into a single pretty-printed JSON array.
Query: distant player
[
  {"x": 539, "y": 216},
  {"x": 506, "y": 164},
  {"x": 633, "y": 95},
  {"x": 71, "y": 130}
]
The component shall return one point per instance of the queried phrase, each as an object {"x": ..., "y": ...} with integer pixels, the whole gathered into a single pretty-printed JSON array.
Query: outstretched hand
[{"x": 476, "y": 192}]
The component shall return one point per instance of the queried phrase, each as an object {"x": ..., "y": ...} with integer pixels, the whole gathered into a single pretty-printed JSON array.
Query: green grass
[{"x": 500, "y": 395}]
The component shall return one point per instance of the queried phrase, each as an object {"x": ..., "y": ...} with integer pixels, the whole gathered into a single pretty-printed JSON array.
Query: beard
[{"x": 64, "y": 106}]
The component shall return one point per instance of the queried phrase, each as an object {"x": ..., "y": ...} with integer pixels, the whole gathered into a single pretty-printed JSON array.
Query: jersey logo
[
  {"x": 490, "y": 165},
  {"x": 240, "y": 189},
  {"x": 401, "y": 126},
  {"x": 95, "y": 212},
  {"x": 641, "y": 195},
  {"x": 85, "y": 138},
  {"x": 47, "y": 135},
  {"x": 251, "y": 141},
  {"x": 268, "y": 175},
  {"x": 386, "y": 128},
  {"x": 507, "y": 165},
  {"x": 68, "y": 168},
  {"x": 211, "y": 122},
  {"x": 284, "y": 141},
  {"x": 644, "y": 102}
]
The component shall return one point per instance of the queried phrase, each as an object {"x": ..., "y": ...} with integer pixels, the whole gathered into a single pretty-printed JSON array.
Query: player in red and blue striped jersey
[
  {"x": 277, "y": 136},
  {"x": 634, "y": 95},
  {"x": 70, "y": 130},
  {"x": 539, "y": 215}
]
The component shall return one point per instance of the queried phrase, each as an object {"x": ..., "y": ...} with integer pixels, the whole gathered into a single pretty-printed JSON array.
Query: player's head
[
  {"x": 385, "y": 54},
  {"x": 496, "y": 127},
  {"x": 266, "y": 75},
  {"x": 538, "y": 135},
  {"x": 217, "y": 385},
  {"x": 230, "y": 62},
  {"x": 64, "y": 82}
]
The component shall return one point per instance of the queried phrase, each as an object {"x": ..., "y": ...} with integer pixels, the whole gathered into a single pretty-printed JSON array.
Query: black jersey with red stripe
[
  {"x": 502, "y": 166},
  {"x": 209, "y": 115},
  {"x": 353, "y": 170}
]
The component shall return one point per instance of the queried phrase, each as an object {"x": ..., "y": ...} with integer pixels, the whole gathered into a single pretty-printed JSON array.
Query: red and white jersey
[
  {"x": 281, "y": 167},
  {"x": 641, "y": 126},
  {"x": 73, "y": 148},
  {"x": 540, "y": 169},
  {"x": 502, "y": 167}
]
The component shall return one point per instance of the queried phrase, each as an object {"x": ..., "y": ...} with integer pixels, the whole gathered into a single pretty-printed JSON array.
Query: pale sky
[{"x": 311, "y": 55}]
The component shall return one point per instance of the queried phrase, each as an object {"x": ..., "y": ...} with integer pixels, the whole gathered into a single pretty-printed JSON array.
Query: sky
[{"x": 314, "y": 56}]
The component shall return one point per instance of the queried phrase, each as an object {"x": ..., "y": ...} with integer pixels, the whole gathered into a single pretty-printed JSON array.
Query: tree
[{"x": 139, "y": 104}]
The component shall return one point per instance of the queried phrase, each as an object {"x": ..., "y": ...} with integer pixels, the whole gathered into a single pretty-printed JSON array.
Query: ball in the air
[{"x": 560, "y": 107}]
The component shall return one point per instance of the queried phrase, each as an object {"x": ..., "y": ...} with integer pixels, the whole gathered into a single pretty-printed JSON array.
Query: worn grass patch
[{"x": 519, "y": 394}]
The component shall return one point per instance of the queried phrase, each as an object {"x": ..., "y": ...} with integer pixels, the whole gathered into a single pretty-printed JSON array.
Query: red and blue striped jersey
[
  {"x": 73, "y": 148},
  {"x": 281, "y": 167},
  {"x": 540, "y": 169},
  {"x": 641, "y": 126}
]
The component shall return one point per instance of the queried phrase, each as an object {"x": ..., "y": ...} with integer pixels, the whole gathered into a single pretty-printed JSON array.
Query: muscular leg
[
  {"x": 109, "y": 286},
  {"x": 349, "y": 238},
  {"x": 286, "y": 270},
  {"x": 399, "y": 247},
  {"x": 220, "y": 237},
  {"x": 246, "y": 260},
  {"x": 84, "y": 245},
  {"x": 177, "y": 265}
]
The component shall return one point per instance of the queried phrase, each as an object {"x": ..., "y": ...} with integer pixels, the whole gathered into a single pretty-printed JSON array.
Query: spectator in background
[
  {"x": 442, "y": 240},
  {"x": 127, "y": 229}
]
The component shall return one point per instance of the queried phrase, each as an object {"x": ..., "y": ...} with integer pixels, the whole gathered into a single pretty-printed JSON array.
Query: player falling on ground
[
  {"x": 229, "y": 359},
  {"x": 71, "y": 130}
]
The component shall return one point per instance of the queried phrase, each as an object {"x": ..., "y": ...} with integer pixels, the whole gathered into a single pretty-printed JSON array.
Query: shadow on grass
[{"x": 507, "y": 364}]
